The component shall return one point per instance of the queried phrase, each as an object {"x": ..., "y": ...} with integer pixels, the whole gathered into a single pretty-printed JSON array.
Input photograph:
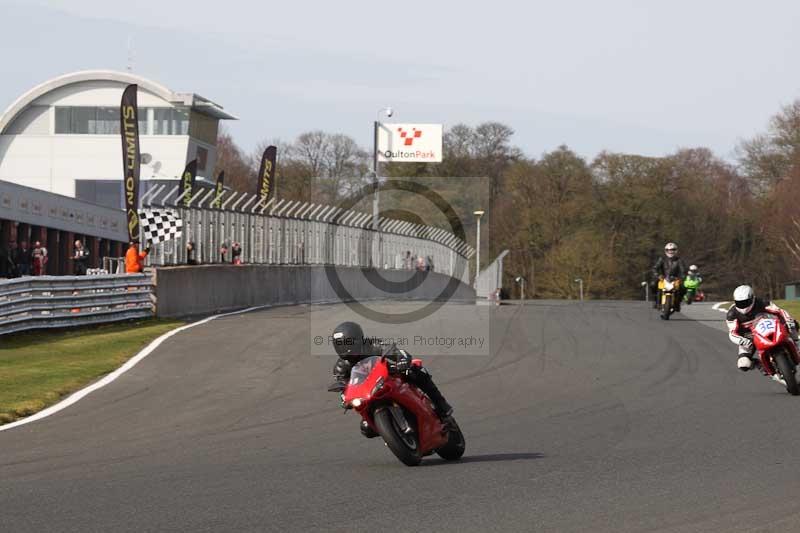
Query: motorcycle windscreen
[{"x": 361, "y": 371}]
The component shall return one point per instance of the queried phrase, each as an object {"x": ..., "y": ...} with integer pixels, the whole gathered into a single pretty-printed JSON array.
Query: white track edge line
[
  {"x": 716, "y": 307},
  {"x": 109, "y": 378}
]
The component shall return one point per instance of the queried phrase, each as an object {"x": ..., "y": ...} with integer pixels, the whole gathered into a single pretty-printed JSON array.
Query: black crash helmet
[{"x": 348, "y": 340}]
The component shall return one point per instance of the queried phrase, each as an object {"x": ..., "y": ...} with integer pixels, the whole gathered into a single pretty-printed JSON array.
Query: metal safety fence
[
  {"x": 64, "y": 301},
  {"x": 300, "y": 233}
]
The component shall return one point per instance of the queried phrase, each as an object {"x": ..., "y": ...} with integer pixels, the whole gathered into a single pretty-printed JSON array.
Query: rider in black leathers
[
  {"x": 670, "y": 267},
  {"x": 352, "y": 346}
]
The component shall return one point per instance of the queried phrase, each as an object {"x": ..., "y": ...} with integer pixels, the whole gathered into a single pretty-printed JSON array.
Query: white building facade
[{"x": 63, "y": 135}]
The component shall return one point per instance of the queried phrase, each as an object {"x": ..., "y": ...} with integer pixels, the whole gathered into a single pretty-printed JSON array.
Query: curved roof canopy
[{"x": 192, "y": 100}]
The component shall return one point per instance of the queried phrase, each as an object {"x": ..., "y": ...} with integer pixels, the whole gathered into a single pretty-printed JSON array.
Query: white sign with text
[{"x": 410, "y": 143}]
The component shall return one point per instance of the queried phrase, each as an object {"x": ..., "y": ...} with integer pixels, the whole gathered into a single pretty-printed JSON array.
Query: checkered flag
[{"x": 159, "y": 225}]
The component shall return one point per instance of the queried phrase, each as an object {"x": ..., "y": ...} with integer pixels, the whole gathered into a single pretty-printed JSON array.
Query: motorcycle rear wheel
[
  {"x": 388, "y": 430},
  {"x": 454, "y": 449},
  {"x": 786, "y": 370}
]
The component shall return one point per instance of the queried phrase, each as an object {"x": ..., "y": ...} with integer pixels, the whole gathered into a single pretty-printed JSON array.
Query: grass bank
[
  {"x": 39, "y": 368},
  {"x": 793, "y": 306}
]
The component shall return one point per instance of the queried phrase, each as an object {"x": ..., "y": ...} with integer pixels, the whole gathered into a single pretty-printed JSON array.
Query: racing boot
[{"x": 745, "y": 363}]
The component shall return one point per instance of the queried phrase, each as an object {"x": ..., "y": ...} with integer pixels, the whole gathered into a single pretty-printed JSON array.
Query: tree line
[{"x": 604, "y": 220}]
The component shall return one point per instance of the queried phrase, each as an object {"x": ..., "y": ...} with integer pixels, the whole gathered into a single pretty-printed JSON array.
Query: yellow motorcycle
[{"x": 668, "y": 294}]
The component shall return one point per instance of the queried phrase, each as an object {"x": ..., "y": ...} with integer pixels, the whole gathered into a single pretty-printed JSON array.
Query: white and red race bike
[{"x": 776, "y": 350}]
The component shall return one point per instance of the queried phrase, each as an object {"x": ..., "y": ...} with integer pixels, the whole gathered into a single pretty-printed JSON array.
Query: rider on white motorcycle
[{"x": 741, "y": 316}]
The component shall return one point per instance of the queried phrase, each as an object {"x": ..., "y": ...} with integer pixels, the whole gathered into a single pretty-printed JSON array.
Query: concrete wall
[{"x": 208, "y": 289}]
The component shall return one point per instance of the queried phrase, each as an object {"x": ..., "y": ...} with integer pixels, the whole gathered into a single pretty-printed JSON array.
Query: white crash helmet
[
  {"x": 693, "y": 269},
  {"x": 743, "y": 298},
  {"x": 671, "y": 249}
]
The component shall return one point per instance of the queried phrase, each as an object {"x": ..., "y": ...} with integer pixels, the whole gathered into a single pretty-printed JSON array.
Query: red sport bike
[
  {"x": 400, "y": 413},
  {"x": 777, "y": 351}
]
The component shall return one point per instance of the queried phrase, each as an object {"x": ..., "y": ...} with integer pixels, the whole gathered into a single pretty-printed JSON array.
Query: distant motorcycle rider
[
  {"x": 740, "y": 318},
  {"x": 694, "y": 274},
  {"x": 691, "y": 284},
  {"x": 352, "y": 346},
  {"x": 670, "y": 267}
]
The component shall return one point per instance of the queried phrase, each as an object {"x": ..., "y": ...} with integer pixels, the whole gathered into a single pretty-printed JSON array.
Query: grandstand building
[{"x": 63, "y": 136}]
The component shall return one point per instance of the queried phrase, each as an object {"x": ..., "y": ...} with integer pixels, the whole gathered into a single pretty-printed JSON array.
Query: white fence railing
[
  {"x": 64, "y": 301},
  {"x": 294, "y": 233}
]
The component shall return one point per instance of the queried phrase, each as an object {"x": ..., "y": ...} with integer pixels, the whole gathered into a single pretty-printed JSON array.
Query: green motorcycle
[{"x": 692, "y": 287}]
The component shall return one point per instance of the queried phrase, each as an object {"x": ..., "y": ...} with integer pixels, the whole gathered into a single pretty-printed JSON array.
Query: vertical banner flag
[
  {"x": 218, "y": 190},
  {"x": 129, "y": 128},
  {"x": 187, "y": 182},
  {"x": 266, "y": 175}
]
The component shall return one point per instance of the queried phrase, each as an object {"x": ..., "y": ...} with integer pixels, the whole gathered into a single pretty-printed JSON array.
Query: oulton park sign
[{"x": 410, "y": 143}]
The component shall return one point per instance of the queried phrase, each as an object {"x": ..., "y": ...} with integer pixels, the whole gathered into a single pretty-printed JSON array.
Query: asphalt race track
[{"x": 583, "y": 417}]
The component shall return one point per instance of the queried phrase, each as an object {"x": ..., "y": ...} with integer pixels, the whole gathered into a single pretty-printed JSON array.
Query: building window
[
  {"x": 170, "y": 121},
  {"x": 203, "y": 128},
  {"x": 93, "y": 120}
]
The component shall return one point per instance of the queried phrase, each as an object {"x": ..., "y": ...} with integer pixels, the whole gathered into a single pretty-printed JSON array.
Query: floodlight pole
[
  {"x": 376, "y": 188},
  {"x": 376, "y": 180}
]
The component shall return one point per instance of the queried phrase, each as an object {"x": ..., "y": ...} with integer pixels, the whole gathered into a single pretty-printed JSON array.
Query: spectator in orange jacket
[{"x": 134, "y": 259}]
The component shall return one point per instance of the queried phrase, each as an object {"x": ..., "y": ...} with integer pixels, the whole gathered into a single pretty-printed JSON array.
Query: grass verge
[
  {"x": 39, "y": 368},
  {"x": 793, "y": 306}
]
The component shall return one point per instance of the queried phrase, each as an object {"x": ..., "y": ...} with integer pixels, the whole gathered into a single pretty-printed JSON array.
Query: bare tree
[
  {"x": 239, "y": 172},
  {"x": 311, "y": 149}
]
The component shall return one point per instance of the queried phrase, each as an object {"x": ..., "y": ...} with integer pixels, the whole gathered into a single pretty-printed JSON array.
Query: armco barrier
[
  {"x": 200, "y": 290},
  {"x": 64, "y": 301}
]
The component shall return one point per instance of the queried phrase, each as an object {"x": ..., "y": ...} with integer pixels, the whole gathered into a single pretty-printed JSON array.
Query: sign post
[{"x": 401, "y": 143}]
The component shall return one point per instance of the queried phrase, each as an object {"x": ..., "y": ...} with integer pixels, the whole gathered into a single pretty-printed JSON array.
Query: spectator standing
[
  {"x": 39, "y": 256},
  {"x": 408, "y": 263},
  {"x": 191, "y": 254},
  {"x": 236, "y": 253},
  {"x": 23, "y": 259},
  {"x": 6, "y": 263},
  {"x": 429, "y": 263},
  {"x": 134, "y": 259},
  {"x": 80, "y": 256},
  {"x": 223, "y": 252}
]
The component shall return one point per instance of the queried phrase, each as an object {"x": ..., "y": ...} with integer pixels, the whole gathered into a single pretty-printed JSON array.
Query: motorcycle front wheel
[
  {"x": 404, "y": 445},
  {"x": 786, "y": 370},
  {"x": 666, "y": 307}
]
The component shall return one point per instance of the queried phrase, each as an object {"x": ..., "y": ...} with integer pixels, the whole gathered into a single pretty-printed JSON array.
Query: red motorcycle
[
  {"x": 400, "y": 413},
  {"x": 777, "y": 351}
]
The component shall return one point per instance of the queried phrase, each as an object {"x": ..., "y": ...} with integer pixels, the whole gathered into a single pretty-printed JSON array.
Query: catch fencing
[
  {"x": 300, "y": 233},
  {"x": 65, "y": 301}
]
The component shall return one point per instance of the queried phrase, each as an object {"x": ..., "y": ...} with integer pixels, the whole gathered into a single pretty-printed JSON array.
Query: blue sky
[{"x": 625, "y": 76}]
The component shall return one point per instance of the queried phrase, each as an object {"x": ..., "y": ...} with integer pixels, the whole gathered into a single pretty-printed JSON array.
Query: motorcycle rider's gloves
[
  {"x": 403, "y": 364},
  {"x": 746, "y": 343}
]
